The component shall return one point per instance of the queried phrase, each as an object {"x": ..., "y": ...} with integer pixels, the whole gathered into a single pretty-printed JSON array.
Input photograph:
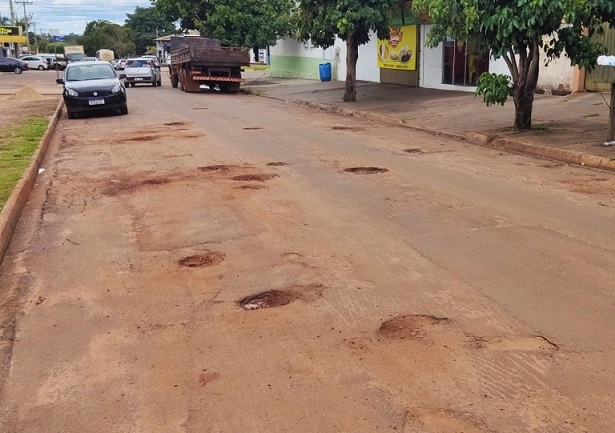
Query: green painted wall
[{"x": 295, "y": 67}]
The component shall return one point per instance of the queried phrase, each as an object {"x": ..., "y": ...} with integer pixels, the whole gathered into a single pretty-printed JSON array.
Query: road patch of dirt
[
  {"x": 366, "y": 170},
  {"x": 203, "y": 260},
  {"x": 413, "y": 150},
  {"x": 120, "y": 186},
  {"x": 251, "y": 187},
  {"x": 252, "y": 128},
  {"x": 208, "y": 377},
  {"x": 443, "y": 421},
  {"x": 277, "y": 164},
  {"x": 176, "y": 123},
  {"x": 416, "y": 327}
]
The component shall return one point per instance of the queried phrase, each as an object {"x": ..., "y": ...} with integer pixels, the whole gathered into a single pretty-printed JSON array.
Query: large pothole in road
[
  {"x": 278, "y": 298},
  {"x": 410, "y": 327},
  {"x": 269, "y": 299},
  {"x": 209, "y": 258},
  {"x": 254, "y": 177},
  {"x": 366, "y": 170}
]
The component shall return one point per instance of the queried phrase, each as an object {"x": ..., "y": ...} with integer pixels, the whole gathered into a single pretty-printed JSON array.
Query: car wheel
[
  {"x": 41, "y": 68},
  {"x": 124, "y": 109},
  {"x": 153, "y": 84},
  {"x": 71, "y": 115},
  {"x": 18, "y": 70}
]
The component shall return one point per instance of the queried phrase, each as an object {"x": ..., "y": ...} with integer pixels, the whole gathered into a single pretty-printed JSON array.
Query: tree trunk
[
  {"x": 525, "y": 75},
  {"x": 352, "y": 55},
  {"x": 524, "y": 101}
]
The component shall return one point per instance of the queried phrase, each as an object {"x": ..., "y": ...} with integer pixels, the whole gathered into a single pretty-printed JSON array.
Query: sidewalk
[{"x": 570, "y": 128}]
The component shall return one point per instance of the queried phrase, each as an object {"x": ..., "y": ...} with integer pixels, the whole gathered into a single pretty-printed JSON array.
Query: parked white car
[
  {"x": 142, "y": 70},
  {"x": 35, "y": 62}
]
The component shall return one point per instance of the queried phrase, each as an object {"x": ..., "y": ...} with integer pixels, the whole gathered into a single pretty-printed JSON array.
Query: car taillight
[
  {"x": 149, "y": 63},
  {"x": 24, "y": 63}
]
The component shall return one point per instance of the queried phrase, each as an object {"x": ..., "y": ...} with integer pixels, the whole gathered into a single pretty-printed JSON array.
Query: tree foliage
[
  {"x": 103, "y": 34},
  {"x": 351, "y": 20},
  {"x": 246, "y": 23},
  {"x": 518, "y": 31},
  {"x": 145, "y": 25}
]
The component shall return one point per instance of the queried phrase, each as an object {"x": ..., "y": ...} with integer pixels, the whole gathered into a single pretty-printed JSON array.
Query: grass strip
[{"x": 18, "y": 143}]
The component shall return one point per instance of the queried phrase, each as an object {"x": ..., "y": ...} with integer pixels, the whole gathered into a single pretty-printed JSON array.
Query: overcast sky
[{"x": 71, "y": 16}]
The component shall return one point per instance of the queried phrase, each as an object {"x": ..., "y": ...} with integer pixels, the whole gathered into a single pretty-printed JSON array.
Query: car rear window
[{"x": 139, "y": 63}]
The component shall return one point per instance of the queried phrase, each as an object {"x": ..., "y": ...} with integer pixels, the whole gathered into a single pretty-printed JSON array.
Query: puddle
[
  {"x": 366, "y": 170},
  {"x": 269, "y": 299},
  {"x": 254, "y": 177},
  {"x": 210, "y": 258}
]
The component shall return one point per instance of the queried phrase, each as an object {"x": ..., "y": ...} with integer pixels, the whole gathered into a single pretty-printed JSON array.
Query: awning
[{"x": 14, "y": 39}]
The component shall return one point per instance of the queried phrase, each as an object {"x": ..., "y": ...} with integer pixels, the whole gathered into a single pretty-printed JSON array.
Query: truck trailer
[{"x": 196, "y": 60}]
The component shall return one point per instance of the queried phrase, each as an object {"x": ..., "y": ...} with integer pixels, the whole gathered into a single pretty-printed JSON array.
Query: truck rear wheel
[{"x": 174, "y": 81}]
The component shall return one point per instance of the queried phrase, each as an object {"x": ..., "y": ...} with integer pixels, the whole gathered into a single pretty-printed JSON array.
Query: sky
[{"x": 71, "y": 16}]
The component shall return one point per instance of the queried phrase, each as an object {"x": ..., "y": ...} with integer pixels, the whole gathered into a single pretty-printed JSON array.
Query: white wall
[
  {"x": 558, "y": 72},
  {"x": 291, "y": 47},
  {"x": 367, "y": 64}
]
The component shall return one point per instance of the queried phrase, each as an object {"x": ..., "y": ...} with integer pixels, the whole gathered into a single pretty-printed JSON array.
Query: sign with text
[{"x": 399, "y": 50}]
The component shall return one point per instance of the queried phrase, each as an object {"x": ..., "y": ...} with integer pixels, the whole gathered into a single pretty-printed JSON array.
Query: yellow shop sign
[{"x": 399, "y": 51}]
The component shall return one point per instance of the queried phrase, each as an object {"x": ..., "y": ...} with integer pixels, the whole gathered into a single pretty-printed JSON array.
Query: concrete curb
[
  {"x": 568, "y": 156},
  {"x": 11, "y": 212}
]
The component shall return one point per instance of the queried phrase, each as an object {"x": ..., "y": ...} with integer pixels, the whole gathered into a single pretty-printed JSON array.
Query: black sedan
[
  {"x": 92, "y": 86},
  {"x": 11, "y": 64}
]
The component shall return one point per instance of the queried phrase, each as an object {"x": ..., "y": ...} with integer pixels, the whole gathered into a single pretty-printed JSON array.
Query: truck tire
[{"x": 174, "y": 81}]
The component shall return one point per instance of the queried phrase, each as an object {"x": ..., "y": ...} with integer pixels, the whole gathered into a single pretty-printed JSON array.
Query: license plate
[
  {"x": 97, "y": 102},
  {"x": 138, "y": 79}
]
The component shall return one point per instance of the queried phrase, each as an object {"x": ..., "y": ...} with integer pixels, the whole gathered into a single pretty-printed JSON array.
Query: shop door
[{"x": 608, "y": 40}]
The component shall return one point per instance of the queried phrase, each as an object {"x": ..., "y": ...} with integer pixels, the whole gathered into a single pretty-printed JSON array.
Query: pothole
[
  {"x": 366, "y": 170},
  {"x": 269, "y": 299},
  {"x": 252, "y": 128},
  {"x": 276, "y": 164},
  {"x": 200, "y": 108},
  {"x": 254, "y": 177},
  {"x": 413, "y": 150},
  {"x": 251, "y": 187},
  {"x": 142, "y": 138},
  {"x": 210, "y": 258},
  {"x": 410, "y": 327},
  {"x": 278, "y": 298},
  {"x": 175, "y": 123},
  {"x": 348, "y": 128},
  {"x": 217, "y": 168}
]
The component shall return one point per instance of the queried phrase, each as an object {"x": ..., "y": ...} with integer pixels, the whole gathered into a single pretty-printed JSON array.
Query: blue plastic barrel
[{"x": 325, "y": 71}]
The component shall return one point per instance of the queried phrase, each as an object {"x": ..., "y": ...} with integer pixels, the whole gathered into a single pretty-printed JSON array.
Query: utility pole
[
  {"x": 12, "y": 12},
  {"x": 25, "y": 17},
  {"x": 34, "y": 32}
]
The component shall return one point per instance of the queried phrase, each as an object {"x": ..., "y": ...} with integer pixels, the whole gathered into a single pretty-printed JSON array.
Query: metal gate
[{"x": 608, "y": 40}]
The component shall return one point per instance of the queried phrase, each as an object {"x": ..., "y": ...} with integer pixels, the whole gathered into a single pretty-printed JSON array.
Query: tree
[
  {"x": 243, "y": 23},
  {"x": 517, "y": 31},
  {"x": 145, "y": 25},
  {"x": 103, "y": 34},
  {"x": 352, "y": 21}
]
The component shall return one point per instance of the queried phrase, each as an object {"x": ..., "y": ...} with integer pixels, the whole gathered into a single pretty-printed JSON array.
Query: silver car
[
  {"x": 142, "y": 70},
  {"x": 35, "y": 62}
]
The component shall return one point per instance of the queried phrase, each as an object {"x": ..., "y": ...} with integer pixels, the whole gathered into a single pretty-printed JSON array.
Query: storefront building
[
  {"x": 10, "y": 36},
  {"x": 405, "y": 59}
]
